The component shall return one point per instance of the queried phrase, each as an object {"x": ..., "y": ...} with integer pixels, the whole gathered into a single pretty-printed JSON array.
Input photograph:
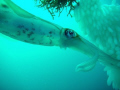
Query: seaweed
[{"x": 56, "y": 6}]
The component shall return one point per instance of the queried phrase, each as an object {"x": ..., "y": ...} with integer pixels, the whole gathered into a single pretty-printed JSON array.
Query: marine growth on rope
[{"x": 56, "y": 6}]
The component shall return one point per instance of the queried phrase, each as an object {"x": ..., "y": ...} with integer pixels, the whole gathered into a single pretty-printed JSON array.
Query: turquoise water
[{"x": 31, "y": 67}]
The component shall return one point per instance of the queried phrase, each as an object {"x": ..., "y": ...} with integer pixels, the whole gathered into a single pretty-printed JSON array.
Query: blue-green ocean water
[{"x": 25, "y": 66}]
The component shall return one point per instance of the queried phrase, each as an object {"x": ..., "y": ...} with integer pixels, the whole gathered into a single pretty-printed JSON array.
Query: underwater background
[{"x": 25, "y": 66}]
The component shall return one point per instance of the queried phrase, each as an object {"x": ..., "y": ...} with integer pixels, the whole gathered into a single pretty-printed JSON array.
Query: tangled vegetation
[{"x": 56, "y": 6}]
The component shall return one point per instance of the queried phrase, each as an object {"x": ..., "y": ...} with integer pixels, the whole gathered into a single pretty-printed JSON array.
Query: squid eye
[{"x": 70, "y": 33}]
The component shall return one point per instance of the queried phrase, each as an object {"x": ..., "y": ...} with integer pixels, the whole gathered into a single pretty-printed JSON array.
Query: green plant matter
[{"x": 56, "y": 6}]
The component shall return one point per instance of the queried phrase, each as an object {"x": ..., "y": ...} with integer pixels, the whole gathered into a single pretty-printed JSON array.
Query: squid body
[{"x": 21, "y": 25}]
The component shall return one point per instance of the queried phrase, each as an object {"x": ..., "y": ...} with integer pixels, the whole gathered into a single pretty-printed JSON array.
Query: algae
[{"x": 56, "y": 6}]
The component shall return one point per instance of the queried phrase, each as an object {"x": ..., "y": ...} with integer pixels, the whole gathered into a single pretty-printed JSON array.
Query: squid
[{"x": 22, "y": 25}]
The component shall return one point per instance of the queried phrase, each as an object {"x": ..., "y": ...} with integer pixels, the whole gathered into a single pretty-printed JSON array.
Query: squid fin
[{"x": 19, "y": 11}]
